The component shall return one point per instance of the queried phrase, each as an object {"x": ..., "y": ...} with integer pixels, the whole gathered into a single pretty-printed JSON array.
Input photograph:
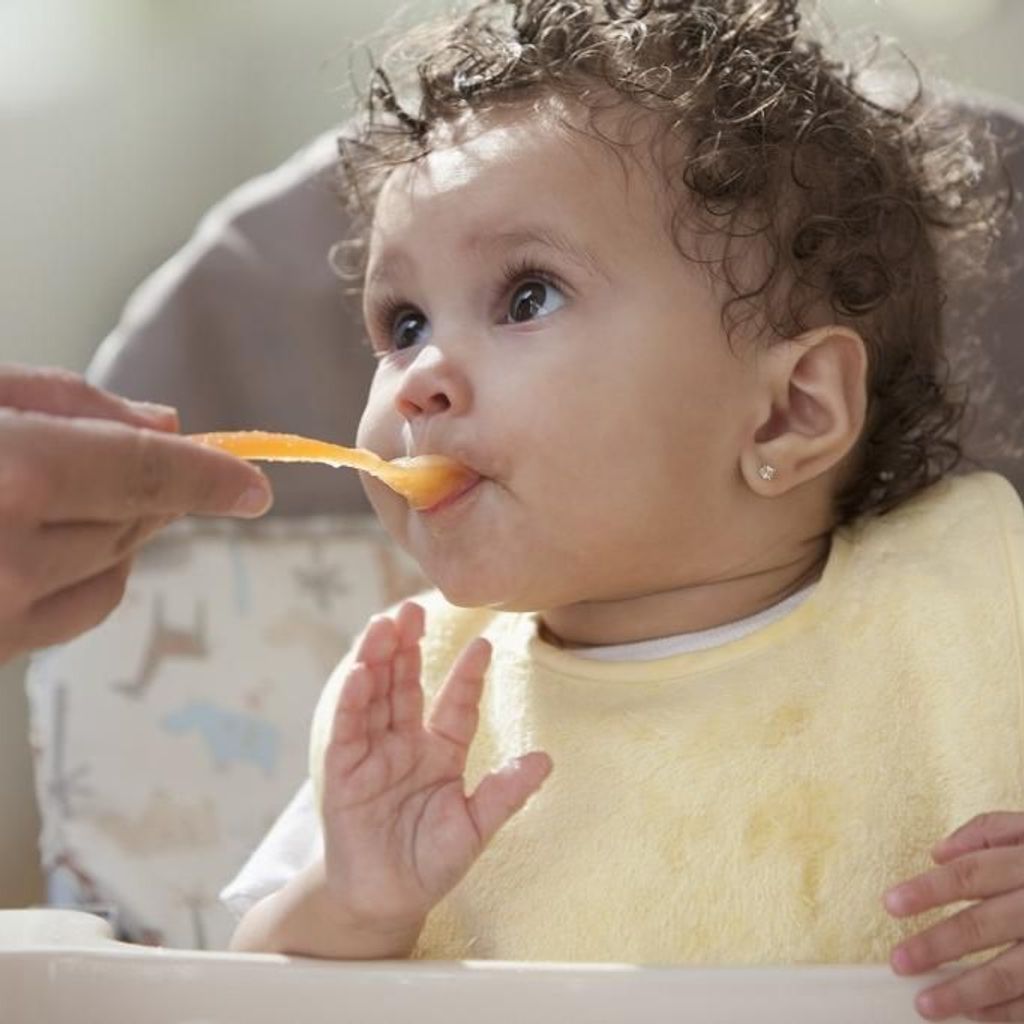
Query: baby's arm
[
  {"x": 399, "y": 830},
  {"x": 298, "y": 920}
]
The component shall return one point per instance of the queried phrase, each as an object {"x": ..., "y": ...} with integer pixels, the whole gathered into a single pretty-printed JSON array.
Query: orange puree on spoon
[{"x": 423, "y": 480}]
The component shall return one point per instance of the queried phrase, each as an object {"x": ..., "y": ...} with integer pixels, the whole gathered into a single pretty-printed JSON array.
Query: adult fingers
[
  {"x": 62, "y": 393},
  {"x": 71, "y": 611},
  {"x": 37, "y": 563},
  {"x": 54, "y": 469}
]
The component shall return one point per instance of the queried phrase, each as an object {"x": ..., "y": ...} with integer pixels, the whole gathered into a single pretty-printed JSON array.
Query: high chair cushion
[{"x": 169, "y": 738}]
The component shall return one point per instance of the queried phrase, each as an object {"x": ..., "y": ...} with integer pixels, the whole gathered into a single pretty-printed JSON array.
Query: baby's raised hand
[
  {"x": 399, "y": 829},
  {"x": 982, "y": 861}
]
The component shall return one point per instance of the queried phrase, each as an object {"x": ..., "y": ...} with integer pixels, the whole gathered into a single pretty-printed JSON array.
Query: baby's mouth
[
  {"x": 471, "y": 481},
  {"x": 468, "y": 479}
]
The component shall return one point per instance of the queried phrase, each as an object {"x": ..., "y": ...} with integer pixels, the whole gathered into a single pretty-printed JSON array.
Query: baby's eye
[
  {"x": 408, "y": 329},
  {"x": 533, "y": 299}
]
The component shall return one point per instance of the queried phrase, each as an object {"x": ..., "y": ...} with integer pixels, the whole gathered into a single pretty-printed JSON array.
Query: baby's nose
[
  {"x": 429, "y": 404},
  {"x": 432, "y": 384}
]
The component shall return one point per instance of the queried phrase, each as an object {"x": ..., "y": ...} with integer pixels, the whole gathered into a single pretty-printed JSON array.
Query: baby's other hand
[
  {"x": 981, "y": 861},
  {"x": 399, "y": 829}
]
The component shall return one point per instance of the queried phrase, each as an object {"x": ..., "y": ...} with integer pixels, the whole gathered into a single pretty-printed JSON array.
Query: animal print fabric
[{"x": 168, "y": 739}]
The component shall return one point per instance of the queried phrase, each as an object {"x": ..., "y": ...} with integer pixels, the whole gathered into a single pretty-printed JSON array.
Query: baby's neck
[{"x": 688, "y": 608}]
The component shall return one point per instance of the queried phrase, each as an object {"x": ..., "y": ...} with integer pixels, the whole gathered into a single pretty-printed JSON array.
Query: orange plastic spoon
[{"x": 423, "y": 480}]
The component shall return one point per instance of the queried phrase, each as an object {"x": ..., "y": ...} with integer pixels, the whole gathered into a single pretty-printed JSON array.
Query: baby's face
[{"x": 534, "y": 320}]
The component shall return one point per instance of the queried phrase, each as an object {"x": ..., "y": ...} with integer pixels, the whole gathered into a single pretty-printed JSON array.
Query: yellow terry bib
[{"x": 749, "y": 804}]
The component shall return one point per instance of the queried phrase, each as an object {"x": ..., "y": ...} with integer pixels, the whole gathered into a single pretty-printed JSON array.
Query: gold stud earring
[{"x": 766, "y": 472}]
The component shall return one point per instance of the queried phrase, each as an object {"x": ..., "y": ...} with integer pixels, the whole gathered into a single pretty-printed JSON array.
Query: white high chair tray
[{"x": 58, "y": 967}]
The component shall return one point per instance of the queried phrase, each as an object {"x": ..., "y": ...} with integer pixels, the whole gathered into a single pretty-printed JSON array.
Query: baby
[{"x": 670, "y": 286}]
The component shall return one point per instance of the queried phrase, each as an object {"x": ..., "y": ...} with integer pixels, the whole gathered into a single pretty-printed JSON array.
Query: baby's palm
[{"x": 399, "y": 829}]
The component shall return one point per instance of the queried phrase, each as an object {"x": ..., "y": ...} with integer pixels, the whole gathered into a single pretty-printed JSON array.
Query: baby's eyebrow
[
  {"x": 517, "y": 238},
  {"x": 391, "y": 267},
  {"x": 396, "y": 265}
]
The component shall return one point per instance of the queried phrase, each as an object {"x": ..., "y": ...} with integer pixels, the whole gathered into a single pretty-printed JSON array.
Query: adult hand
[
  {"x": 85, "y": 478},
  {"x": 981, "y": 862}
]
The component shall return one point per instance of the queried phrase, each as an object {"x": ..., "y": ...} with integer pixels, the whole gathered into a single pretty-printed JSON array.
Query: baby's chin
[
  {"x": 469, "y": 595},
  {"x": 468, "y": 577},
  {"x": 476, "y": 593}
]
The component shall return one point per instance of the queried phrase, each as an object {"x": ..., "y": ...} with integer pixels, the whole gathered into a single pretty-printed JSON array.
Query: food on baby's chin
[{"x": 423, "y": 480}]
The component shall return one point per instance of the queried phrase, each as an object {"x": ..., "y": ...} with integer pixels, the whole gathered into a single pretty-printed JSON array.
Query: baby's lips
[
  {"x": 468, "y": 481},
  {"x": 448, "y": 479},
  {"x": 431, "y": 480}
]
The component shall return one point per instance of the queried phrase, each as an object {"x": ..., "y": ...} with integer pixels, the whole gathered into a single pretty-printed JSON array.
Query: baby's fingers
[
  {"x": 409, "y": 624},
  {"x": 350, "y": 729},
  {"x": 389, "y": 650},
  {"x": 990, "y": 991},
  {"x": 980, "y": 926},
  {"x": 406, "y": 691},
  {"x": 997, "y": 828},
  {"x": 454, "y": 714},
  {"x": 379, "y": 642},
  {"x": 972, "y": 876},
  {"x": 503, "y": 792}
]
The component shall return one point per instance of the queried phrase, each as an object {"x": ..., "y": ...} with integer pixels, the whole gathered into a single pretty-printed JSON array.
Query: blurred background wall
[{"x": 121, "y": 121}]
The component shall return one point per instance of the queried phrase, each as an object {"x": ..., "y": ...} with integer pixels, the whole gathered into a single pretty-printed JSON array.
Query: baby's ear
[{"x": 814, "y": 392}]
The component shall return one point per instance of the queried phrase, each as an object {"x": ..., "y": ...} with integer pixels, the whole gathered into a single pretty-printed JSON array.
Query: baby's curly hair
[{"x": 849, "y": 197}]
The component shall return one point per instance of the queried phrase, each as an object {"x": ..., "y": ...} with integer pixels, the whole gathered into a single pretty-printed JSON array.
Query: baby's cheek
[
  {"x": 391, "y": 510},
  {"x": 372, "y": 430},
  {"x": 380, "y": 423}
]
